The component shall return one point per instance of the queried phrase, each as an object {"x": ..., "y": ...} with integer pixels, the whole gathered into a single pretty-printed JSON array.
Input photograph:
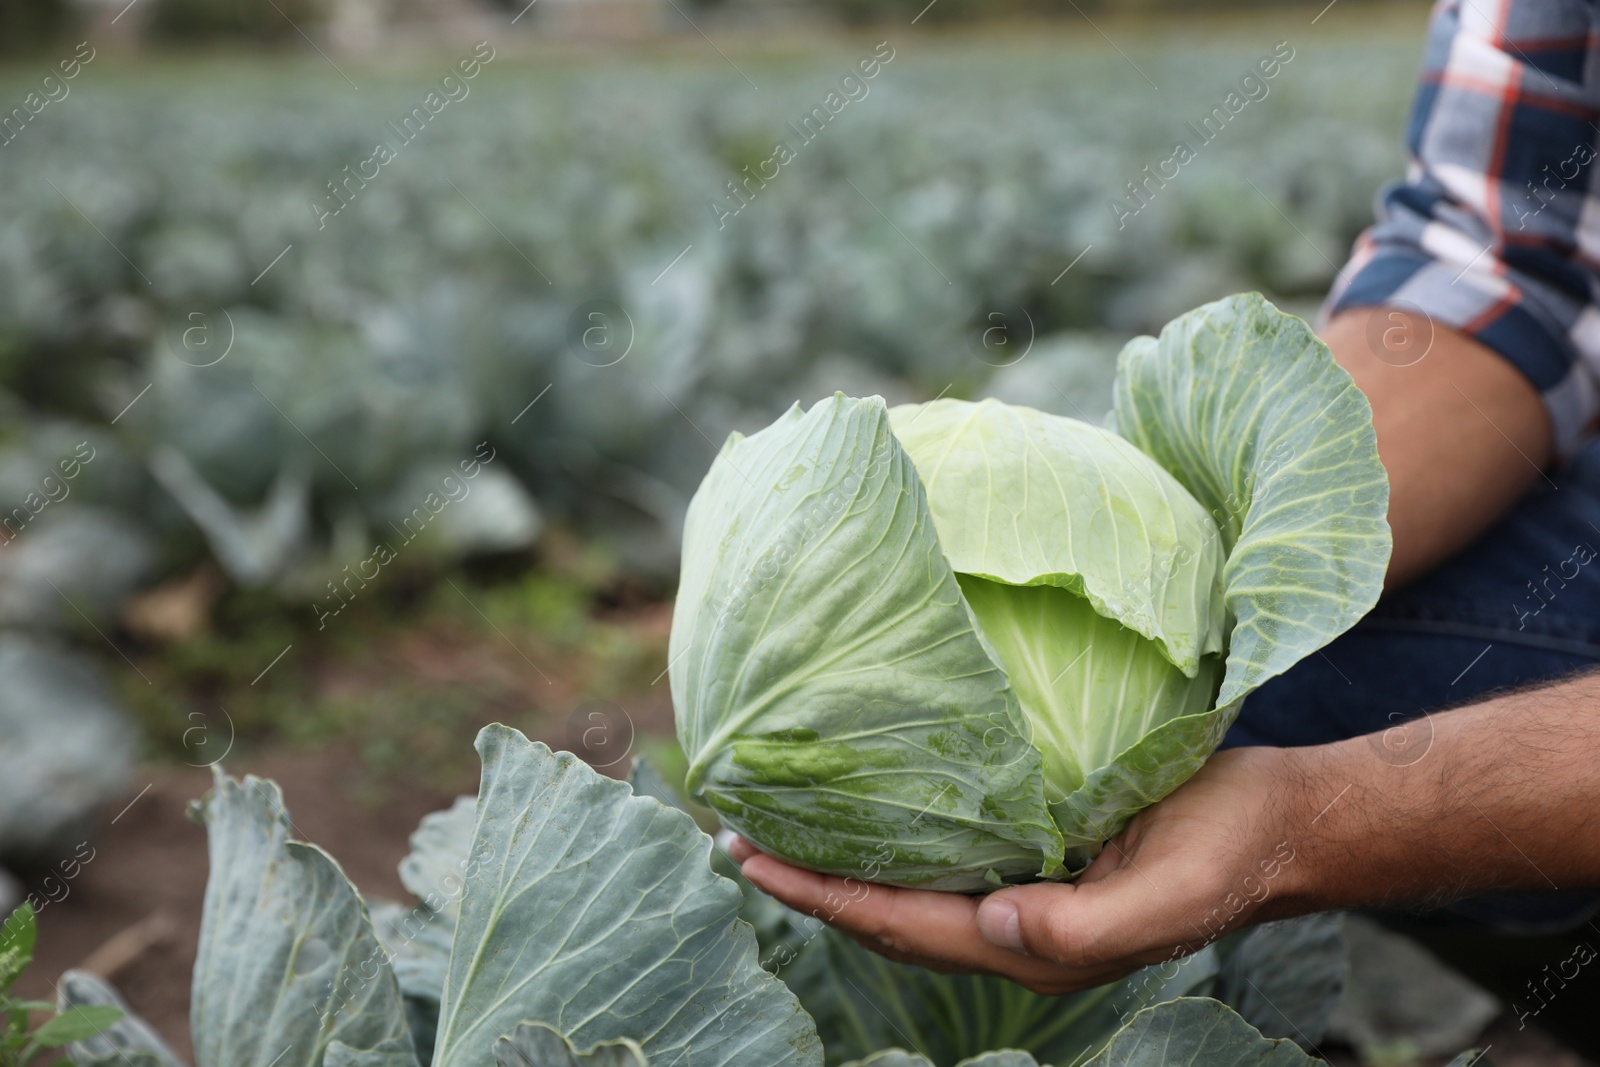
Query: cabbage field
[
  {"x": 270, "y": 344},
  {"x": 299, "y": 325}
]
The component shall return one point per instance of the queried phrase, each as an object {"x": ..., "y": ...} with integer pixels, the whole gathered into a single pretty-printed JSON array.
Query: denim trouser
[{"x": 1521, "y": 605}]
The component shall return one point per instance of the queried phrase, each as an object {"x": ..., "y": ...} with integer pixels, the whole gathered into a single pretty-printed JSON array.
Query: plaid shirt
[{"x": 1496, "y": 228}]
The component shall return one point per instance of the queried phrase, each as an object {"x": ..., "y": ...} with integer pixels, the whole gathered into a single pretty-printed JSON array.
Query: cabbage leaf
[
  {"x": 826, "y": 665},
  {"x": 289, "y": 970},
  {"x": 596, "y": 913},
  {"x": 1028, "y": 499}
]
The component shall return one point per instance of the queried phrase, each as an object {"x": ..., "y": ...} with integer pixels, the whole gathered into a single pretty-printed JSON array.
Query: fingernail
[{"x": 999, "y": 923}]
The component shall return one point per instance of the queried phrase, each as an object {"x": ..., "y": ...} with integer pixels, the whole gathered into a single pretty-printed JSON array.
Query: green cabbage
[{"x": 959, "y": 645}]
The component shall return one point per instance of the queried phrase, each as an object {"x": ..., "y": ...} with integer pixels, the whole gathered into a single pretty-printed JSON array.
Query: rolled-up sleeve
[{"x": 1495, "y": 229}]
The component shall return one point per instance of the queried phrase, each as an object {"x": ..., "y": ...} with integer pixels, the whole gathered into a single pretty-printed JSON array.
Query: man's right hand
[
  {"x": 1497, "y": 795},
  {"x": 1207, "y": 860}
]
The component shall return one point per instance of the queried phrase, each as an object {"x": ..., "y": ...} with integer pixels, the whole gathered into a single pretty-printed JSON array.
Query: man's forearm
[
  {"x": 1499, "y": 794},
  {"x": 1461, "y": 432},
  {"x": 1502, "y": 794}
]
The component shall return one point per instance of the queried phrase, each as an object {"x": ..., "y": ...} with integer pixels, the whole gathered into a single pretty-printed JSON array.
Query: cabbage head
[{"x": 959, "y": 645}]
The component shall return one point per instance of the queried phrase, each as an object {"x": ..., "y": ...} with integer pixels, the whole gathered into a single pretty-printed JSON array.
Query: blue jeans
[{"x": 1522, "y": 605}]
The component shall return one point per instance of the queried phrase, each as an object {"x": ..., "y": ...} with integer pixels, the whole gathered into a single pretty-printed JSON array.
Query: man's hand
[
  {"x": 1499, "y": 795},
  {"x": 1216, "y": 854}
]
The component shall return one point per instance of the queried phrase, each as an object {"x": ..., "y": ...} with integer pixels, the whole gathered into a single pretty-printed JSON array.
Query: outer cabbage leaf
[
  {"x": 595, "y": 912},
  {"x": 862, "y": 1001},
  {"x": 835, "y": 699},
  {"x": 418, "y": 938},
  {"x": 898, "y": 1058},
  {"x": 646, "y": 781},
  {"x": 1157, "y": 764},
  {"x": 1027, "y": 498},
  {"x": 1186, "y": 1032},
  {"x": 537, "y": 1045},
  {"x": 776, "y": 924},
  {"x": 130, "y": 1040},
  {"x": 1070, "y": 665},
  {"x": 418, "y": 943},
  {"x": 435, "y": 870},
  {"x": 1285, "y": 978},
  {"x": 1246, "y": 407},
  {"x": 1195, "y": 1032},
  {"x": 439, "y": 862},
  {"x": 1401, "y": 994},
  {"x": 116, "y": 1057},
  {"x": 289, "y": 971}
]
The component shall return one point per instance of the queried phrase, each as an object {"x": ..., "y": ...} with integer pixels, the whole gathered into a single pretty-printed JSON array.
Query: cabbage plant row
[
  {"x": 174, "y": 235},
  {"x": 565, "y": 919},
  {"x": 541, "y": 268}
]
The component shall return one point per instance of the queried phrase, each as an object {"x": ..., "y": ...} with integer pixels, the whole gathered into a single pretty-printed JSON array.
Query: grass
[{"x": 403, "y": 675}]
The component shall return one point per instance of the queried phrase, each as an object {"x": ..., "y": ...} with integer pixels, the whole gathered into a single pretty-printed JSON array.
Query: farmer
[{"x": 1447, "y": 750}]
